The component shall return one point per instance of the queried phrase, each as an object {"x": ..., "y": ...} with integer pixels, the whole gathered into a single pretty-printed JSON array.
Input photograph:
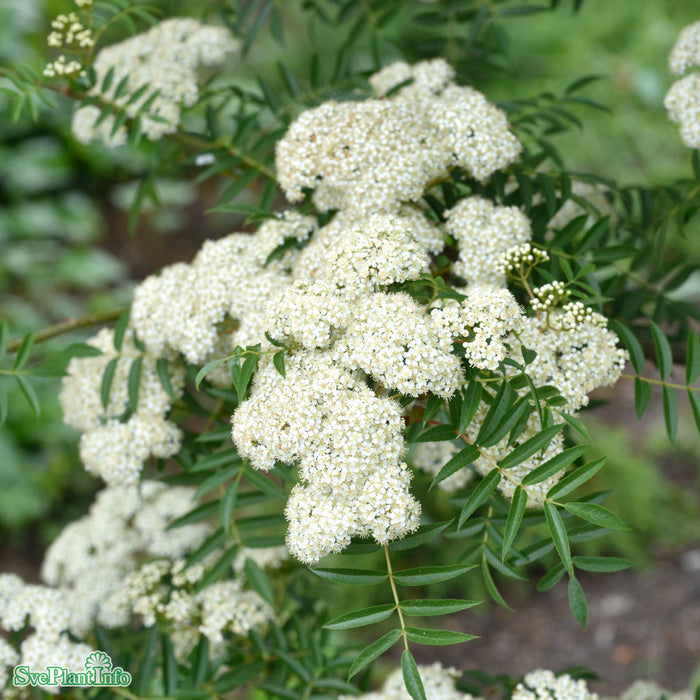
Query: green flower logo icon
[{"x": 98, "y": 659}]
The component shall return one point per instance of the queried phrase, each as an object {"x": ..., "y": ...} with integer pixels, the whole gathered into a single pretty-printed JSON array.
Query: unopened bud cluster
[{"x": 69, "y": 33}]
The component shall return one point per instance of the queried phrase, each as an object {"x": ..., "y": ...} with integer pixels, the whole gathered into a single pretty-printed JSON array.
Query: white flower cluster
[
  {"x": 183, "y": 308},
  {"x": 377, "y": 153},
  {"x": 485, "y": 231},
  {"x": 164, "y": 60},
  {"x": 438, "y": 682},
  {"x": 485, "y": 321},
  {"x": 348, "y": 445},
  {"x": 90, "y": 559},
  {"x": 164, "y": 590},
  {"x": 544, "y": 685},
  {"x": 576, "y": 353},
  {"x": 683, "y": 98},
  {"x": 650, "y": 690},
  {"x": 48, "y": 614},
  {"x": 111, "y": 447}
]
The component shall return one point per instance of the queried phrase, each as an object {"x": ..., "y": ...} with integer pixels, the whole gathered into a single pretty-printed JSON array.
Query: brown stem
[{"x": 70, "y": 324}]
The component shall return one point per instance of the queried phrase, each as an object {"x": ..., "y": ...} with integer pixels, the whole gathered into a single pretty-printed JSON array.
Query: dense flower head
[
  {"x": 379, "y": 153},
  {"x": 347, "y": 443},
  {"x": 682, "y": 101},
  {"x": 484, "y": 321},
  {"x": 183, "y": 307},
  {"x": 46, "y": 613},
  {"x": 112, "y": 447},
  {"x": 164, "y": 59},
  {"x": 686, "y": 51},
  {"x": 438, "y": 682},
  {"x": 485, "y": 231},
  {"x": 544, "y": 685},
  {"x": 393, "y": 340},
  {"x": 576, "y": 353},
  {"x": 90, "y": 559},
  {"x": 683, "y": 105}
]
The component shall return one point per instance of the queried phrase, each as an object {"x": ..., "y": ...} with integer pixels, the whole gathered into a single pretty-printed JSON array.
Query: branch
[{"x": 70, "y": 324}]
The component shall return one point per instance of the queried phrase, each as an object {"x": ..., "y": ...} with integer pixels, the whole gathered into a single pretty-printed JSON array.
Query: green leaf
[
  {"x": 496, "y": 412},
  {"x": 459, "y": 461},
  {"x": 515, "y": 517},
  {"x": 164, "y": 377},
  {"x": 424, "y": 575},
  {"x": 4, "y": 404},
  {"x": 107, "y": 379},
  {"x": 134, "y": 382},
  {"x": 577, "y": 477},
  {"x": 28, "y": 390},
  {"x": 169, "y": 666},
  {"x": 631, "y": 343},
  {"x": 437, "y": 433},
  {"x": 559, "y": 536},
  {"x": 692, "y": 360},
  {"x": 355, "y": 577},
  {"x": 554, "y": 465},
  {"x": 82, "y": 350},
  {"x": 261, "y": 482},
  {"x": 642, "y": 394},
  {"x": 602, "y": 564},
  {"x": 120, "y": 329},
  {"x": 4, "y": 337},
  {"x": 479, "y": 495},
  {"x": 258, "y": 581},
  {"x": 529, "y": 447},
  {"x": 552, "y": 577},
  {"x": 411, "y": 676},
  {"x": 472, "y": 399},
  {"x": 598, "y": 515},
  {"x": 228, "y": 503},
  {"x": 215, "y": 480},
  {"x": 148, "y": 654},
  {"x": 491, "y": 586},
  {"x": 374, "y": 650},
  {"x": 24, "y": 352},
  {"x": 432, "y": 406},
  {"x": 427, "y": 607},
  {"x": 576, "y": 424},
  {"x": 278, "y": 361},
  {"x": 424, "y": 534},
  {"x": 694, "y": 401},
  {"x": 206, "y": 369},
  {"x": 295, "y": 666},
  {"x": 422, "y": 635},
  {"x": 360, "y": 618},
  {"x": 197, "y": 514},
  {"x": 664, "y": 358},
  {"x": 244, "y": 374},
  {"x": 238, "y": 676},
  {"x": 222, "y": 567},
  {"x": 670, "y": 402},
  {"x": 577, "y": 601}
]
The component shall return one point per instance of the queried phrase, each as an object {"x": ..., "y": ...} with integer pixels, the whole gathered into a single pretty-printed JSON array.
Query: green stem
[
  {"x": 660, "y": 382},
  {"x": 390, "y": 571},
  {"x": 69, "y": 325}
]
